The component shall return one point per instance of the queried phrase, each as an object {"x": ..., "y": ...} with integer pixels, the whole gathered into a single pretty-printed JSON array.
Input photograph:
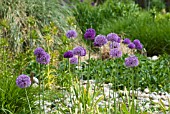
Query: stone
[
  {"x": 153, "y": 96},
  {"x": 34, "y": 85},
  {"x": 146, "y": 90},
  {"x": 35, "y": 80},
  {"x": 155, "y": 101},
  {"x": 155, "y": 57}
]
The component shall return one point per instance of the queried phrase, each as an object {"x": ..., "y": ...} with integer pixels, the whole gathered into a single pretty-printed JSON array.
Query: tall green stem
[
  {"x": 40, "y": 89},
  {"x": 133, "y": 95},
  {"x": 28, "y": 100}
]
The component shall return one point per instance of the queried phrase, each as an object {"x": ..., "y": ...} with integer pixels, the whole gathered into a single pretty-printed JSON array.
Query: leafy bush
[
  {"x": 152, "y": 31},
  {"x": 96, "y": 16},
  {"x": 149, "y": 73}
]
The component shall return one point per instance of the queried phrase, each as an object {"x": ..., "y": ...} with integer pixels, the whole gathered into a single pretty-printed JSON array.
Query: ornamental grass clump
[{"x": 24, "y": 81}]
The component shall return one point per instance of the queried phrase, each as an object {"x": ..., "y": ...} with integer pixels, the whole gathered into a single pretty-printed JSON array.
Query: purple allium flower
[
  {"x": 81, "y": 0},
  {"x": 23, "y": 81},
  {"x": 73, "y": 60},
  {"x": 136, "y": 42},
  {"x": 80, "y": 51},
  {"x": 92, "y": 3},
  {"x": 113, "y": 37},
  {"x": 38, "y": 51},
  {"x": 100, "y": 40},
  {"x": 139, "y": 46},
  {"x": 131, "y": 61},
  {"x": 126, "y": 41},
  {"x": 95, "y": 44},
  {"x": 71, "y": 34},
  {"x": 114, "y": 45},
  {"x": 90, "y": 34},
  {"x": 119, "y": 40},
  {"x": 68, "y": 54},
  {"x": 131, "y": 45},
  {"x": 115, "y": 53},
  {"x": 43, "y": 59}
]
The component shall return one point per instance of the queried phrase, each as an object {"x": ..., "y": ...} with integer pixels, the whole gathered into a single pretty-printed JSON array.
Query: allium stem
[
  {"x": 43, "y": 93},
  {"x": 28, "y": 100},
  {"x": 133, "y": 91},
  {"x": 40, "y": 89}
]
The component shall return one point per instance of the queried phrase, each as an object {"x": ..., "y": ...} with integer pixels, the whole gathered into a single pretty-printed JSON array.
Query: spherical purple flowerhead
[
  {"x": 92, "y": 3},
  {"x": 73, "y": 60},
  {"x": 100, "y": 40},
  {"x": 126, "y": 41},
  {"x": 43, "y": 59},
  {"x": 131, "y": 61},
  {"x": 68, "y": 54},
  {"x": 71, "y": 34},
  {"x": 113, "y": 37},
  {"x": 115, "y": 53},
  {"x": 23, "y": 81},
  {"x": 90, "y": 34},
  {"x": 80, "y": 51},
  {"x": 114, "y": 45},
  {"x": 119, "y": 40},
  {"x": 136, "y": 42},
  {"x": 138, "y": 45},
  {"x": 131, "y": 45},
  {"x": 38, "y": 51}
]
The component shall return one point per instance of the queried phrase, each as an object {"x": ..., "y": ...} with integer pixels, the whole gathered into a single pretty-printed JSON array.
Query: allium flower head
[
  {"x": 38, "y": 51},
  {"x": 100, "y": 40},
  {"x": 80, "y": 51},
  {"x": 126, "y": 41},
  {"x": 73, "y": 60},
  {"x": 136, "y": 42},
  {"x": 43, "y": 59},
  {"x": 131, "y": 61},
  {"x": 68, "y": 54},
  {"x": 131, "y": 45},
  {"x": 115, "y": 53},
  {"x": 113, "y": 37},
  {"x": 119, "y": 40},
  {"x": 71, "y": 34},
  {"x": 90, "y": 34},
  {"x": 23, "y": 81},
  {"x": 92, "y": 3},
  {"x": 114, "y": 45},
  {"x": 139, "y": 46}
]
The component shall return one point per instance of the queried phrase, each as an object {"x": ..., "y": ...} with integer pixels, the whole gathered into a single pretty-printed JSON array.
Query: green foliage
[
  {"x": 152, "y": 74},
  {"x": 151, "y": 30},
  {"x": 12, "y": 98},
  {"x": 96, "y": 16}
]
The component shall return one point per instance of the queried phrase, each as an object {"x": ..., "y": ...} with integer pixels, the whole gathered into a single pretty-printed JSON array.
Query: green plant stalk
[
  {"x": 40, "y": 90},
  {"x": 114, "y": 94},
  {"x": 28, "y": 100},
  {"x": 133, "y": 95},
  {"x": 43, "y": 92}
]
